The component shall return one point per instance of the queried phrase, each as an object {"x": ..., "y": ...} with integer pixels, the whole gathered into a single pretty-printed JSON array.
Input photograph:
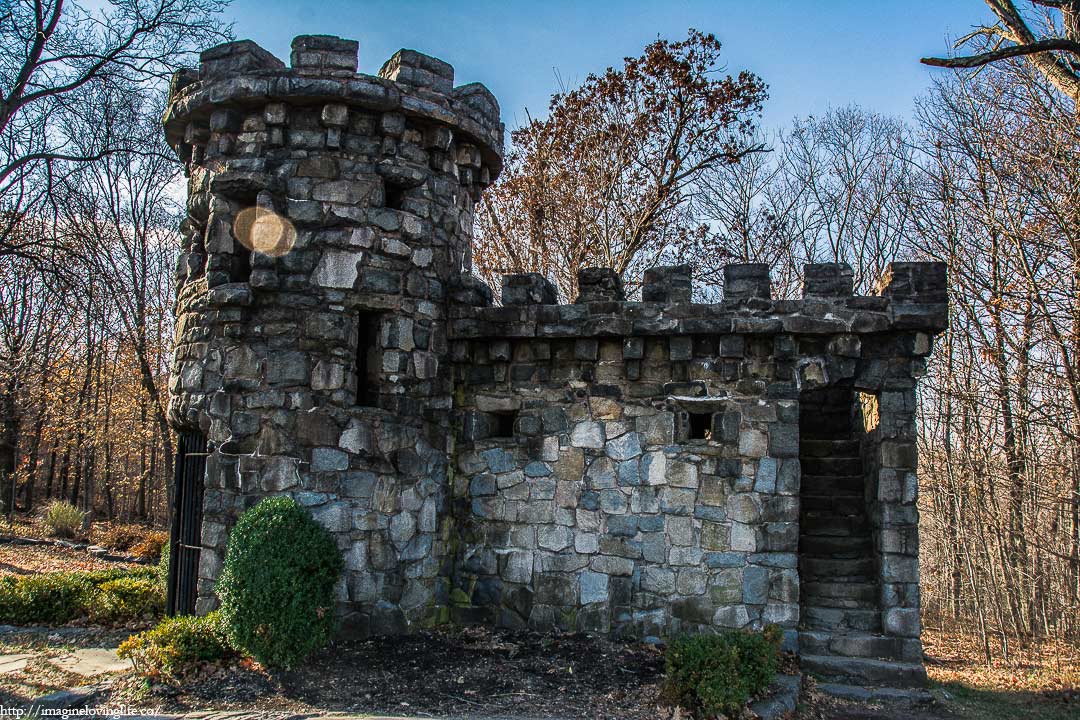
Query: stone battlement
[
  {"x": 913, "y": 297},
  {"x": 241, "y": 75}
]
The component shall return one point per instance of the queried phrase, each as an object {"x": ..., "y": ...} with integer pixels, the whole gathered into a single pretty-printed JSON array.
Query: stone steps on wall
[
  {"x": 838, "y": 546},
  {"x": 839, "y": 504},
  {"x": 829, "y": 484},
  {"x": 831, "y": 465},
  {"x": 826, "y": 524},
  {"x": 865, "y": 671},
  {"x": 859, "y": 644},
  {"x": 840, "y": 619},
  {"x": 832, "y": 568},
  {"x": 856, "y": 594},
  {"x": 825, "y": 447},
  {"x": 829, "y": 599}
]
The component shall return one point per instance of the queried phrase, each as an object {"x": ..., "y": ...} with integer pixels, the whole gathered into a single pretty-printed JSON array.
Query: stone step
[
  {"x": 831, "y": 465},
  {"x": 810, "y": 447},
  {"x": 839, "y": 504},
  {"x": 854, "y": 644},
  {"x": 858, "y": 592},
  {"x": 825, "y": 420},
  {"x": 817, "y": 523},
  {"x": 826, "y": 484},
  {"x": 833, "y": 569},
  {"x": 868, "y": 671},
  {"x": 861, "y": 693},
  {"x": 839, "y": 619},
  {"x": 839, "y": 546},
  {"x": 819, "y": 601}
]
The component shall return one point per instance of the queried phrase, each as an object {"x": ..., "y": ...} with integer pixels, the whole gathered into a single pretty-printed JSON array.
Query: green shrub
[
  {"x": 177, "y": 645},
  {"x": 54, "y": 598},
  {"x": 58, "y": 598},
  {"x": 161, "y": 570},
  {"x": 128, "y": 598},
  {"x": 277, "y": 584},
  {"x": 712, "y": 675},
  {"x": 63, "y": 519}
]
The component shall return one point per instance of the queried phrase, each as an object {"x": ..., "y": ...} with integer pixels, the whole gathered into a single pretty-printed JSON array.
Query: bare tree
[
  {"x": 1053, "y": 47},
  {"x": 56, "y": 58}
]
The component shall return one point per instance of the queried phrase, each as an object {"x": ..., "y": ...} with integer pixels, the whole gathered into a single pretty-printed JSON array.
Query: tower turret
[{"x": 329, "y": 217}]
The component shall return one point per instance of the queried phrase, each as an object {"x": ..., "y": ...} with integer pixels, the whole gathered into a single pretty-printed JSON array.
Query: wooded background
[{"x": 658, "y": 161}]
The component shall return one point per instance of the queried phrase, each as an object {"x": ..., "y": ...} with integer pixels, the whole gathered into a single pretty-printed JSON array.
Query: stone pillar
[{"x": 896, "y": 514}]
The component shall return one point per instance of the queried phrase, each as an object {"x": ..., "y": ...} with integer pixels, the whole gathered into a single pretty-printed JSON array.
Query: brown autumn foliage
[{"x": 607, "y": 177}]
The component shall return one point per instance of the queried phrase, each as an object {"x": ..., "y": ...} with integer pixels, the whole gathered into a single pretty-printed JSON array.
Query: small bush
[
  {"x": 128, "y": 598},
  {"x": 177, "y": 645},
  {"x": 119, "y": 538},
  {"x": 161, "y": 570},
  {"x": 63, "y": 519},
  {"x": 54, "y": 598},
  {"x": 58, "y": 598},
  {"x": 712, "y": 675},
  {"x": 277, "y": 584},
  {"x": 151, "y": 545}
]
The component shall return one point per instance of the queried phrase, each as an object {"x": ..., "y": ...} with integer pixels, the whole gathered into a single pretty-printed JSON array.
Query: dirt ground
[
  {"x": 468, "y": 672},
  {"x": 474, "y": 673},
  {"x": 28, "y": 559}
]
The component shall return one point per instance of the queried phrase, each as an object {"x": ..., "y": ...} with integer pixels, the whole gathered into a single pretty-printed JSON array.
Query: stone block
[
  {"x": 527, "y": 289},
  {"x": 743, "y": 281},
  {"x": 235, "y": 58},
  {"x": 624, "y": 447},
  {"x": 670, "y": 284},
  {"x": 594, "y": 587},
  {"x": 409, "y": 67},
  {"x": 903, "y": 622},
  {"x": 828, "y": 280},
  {"x": 325, "y": 53},
  {"x": 599, "y": 284}
]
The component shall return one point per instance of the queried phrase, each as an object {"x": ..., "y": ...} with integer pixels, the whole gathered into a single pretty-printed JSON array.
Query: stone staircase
[{"x": 840, "y": 636}]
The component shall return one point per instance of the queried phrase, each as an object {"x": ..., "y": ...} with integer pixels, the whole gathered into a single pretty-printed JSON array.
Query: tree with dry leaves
[{"x": 607, "y": 178}]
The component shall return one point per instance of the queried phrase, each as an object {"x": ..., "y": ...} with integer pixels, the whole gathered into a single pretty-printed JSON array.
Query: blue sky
[{"x": 812, "y": 53}]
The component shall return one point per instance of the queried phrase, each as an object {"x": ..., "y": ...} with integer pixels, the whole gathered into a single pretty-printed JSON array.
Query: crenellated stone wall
[
  {"x": 636, "y": 467},
  {"x": 651, "y": 483}
]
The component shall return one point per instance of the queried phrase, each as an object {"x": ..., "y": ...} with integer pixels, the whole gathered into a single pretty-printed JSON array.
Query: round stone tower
[{"x": 329, "y": 223}]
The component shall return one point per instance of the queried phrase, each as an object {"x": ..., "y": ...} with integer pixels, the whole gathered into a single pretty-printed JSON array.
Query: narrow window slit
[
  {"x": 368, "y": 359},
  {"x": 395, "y": 196},
  {"x": 240, "y": 263}
]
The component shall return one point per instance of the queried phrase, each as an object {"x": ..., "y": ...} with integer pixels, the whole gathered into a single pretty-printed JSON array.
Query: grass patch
[
  {"x": 986, "y": 704},
  {"x": 110, "y": 596},
  {"x": 1032, "y": 680}
]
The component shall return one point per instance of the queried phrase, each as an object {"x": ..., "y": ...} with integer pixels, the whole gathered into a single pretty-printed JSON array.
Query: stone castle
[{"x": 639, "y": 468}]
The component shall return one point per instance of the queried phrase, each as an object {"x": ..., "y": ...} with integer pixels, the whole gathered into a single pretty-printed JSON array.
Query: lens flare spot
[{"x": 264, "y": 231}]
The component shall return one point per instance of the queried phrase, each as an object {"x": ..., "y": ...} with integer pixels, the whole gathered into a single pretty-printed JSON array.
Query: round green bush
[
  {"x": 277, "y": 585},
  {"x": 712, "y": 675}
]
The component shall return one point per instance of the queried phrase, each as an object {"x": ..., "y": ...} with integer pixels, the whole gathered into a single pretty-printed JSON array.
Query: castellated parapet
[{"x": 641, "y": 468}]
